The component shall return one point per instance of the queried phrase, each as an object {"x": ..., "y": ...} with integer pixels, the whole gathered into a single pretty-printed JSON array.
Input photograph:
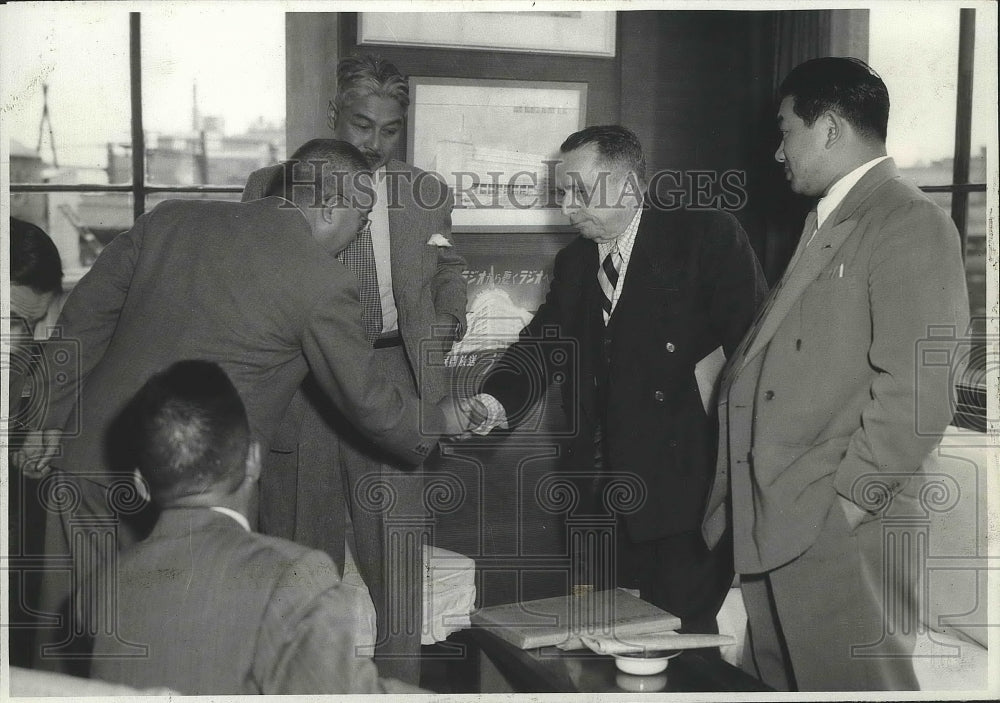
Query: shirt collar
[
  {"x": 238, "y": 517},
  {"x": 839, "y": 190},
  {"x": 623, "y": 241}
]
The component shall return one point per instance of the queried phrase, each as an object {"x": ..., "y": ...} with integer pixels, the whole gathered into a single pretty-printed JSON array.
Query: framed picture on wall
[
  {"x": 495, "y": 143},
  {"x": 548, "y": 32}
]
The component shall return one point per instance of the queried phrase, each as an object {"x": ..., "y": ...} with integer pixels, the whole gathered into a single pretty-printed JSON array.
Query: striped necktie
[
  {"x": 359, "y": 257},
  {"x": 607, "y": 277}
]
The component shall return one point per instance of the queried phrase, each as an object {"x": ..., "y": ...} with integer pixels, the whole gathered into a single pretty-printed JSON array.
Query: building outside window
[{"x": 208, "y": 118}]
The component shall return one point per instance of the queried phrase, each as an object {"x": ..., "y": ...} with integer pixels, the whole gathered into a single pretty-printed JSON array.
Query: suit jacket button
[
  {"x": 660, "y": 396},
  {"x": 670, "y": 347},
  {"x": 769, "y": 395}
]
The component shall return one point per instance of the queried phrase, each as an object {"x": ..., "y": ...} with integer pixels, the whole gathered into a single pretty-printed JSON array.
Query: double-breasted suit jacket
[
  {"x": 830, "y": 395},
  {"x": 692, "y": 285},
  {"x": 839, "y": 393}
]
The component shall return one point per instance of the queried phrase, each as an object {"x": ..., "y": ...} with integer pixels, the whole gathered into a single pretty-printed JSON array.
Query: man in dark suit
[
  {"x": 414, "y": 297},
  {"x": 646, "y": 294},
  {"x": 835, "y": 398},
  {"x": 218, "y": 608},
  {"x": 252, "y": 286}
]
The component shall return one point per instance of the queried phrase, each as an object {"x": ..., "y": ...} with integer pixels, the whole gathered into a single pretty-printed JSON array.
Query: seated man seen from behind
[{"x": 219, "y": 608}]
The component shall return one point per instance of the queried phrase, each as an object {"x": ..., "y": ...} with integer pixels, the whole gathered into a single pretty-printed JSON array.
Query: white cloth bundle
[
  {"x": 656, "y": 641},
  {"x": 449, "y": 593}
]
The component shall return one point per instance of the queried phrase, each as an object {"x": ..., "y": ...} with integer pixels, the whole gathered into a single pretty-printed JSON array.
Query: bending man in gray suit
[
  {"x": 252, "y": 286},
  {"x": 222, "y": 610},
  {"x": 414, "y": 297},
  {"x": 828, "y": 408}
]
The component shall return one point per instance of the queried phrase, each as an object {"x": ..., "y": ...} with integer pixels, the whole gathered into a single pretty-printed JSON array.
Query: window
[
  {"x": 940, "y": 121},
  {"x": 110, "y": 112}
]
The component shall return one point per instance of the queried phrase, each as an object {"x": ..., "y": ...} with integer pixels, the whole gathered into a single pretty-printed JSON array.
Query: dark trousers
[
  {"x": 25, "y": 547},
  {"x": 679, "y": 574}
]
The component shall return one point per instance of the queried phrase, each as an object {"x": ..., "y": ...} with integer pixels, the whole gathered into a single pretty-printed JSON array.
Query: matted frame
[
  {"x": 578, "y": 33},
  {"x": 495, "y": 143}
]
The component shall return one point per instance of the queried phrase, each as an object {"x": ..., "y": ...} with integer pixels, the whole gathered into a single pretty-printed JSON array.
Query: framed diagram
[
  {"x": 496, "y": 144},
  {"x": 547, "y": 32}
]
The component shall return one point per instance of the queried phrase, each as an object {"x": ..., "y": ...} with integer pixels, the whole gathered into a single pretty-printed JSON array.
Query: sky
[
  {"x": 237, "y": 59},
  {"x": 914, "y": 47}
]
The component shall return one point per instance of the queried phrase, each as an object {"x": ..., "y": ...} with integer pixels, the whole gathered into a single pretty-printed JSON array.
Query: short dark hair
[
  {"x": 840, "y": 84},
  {"x": 190, "y": 431},
  {"x": 617, "y": 146},
  {"x": 34, "y": 258},
  {"x": 368, "y": 74},
  {"x": 340, "y": 160}
]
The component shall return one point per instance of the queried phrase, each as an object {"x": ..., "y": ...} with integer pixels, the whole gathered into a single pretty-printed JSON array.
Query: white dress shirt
[
  {"x": 237, "y": 516},
  {"x": 379, "y": 219},
  {"x": 839, "y": 190}
]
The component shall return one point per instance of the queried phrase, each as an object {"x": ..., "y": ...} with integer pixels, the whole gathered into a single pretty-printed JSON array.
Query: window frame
[
  {"x": 138, "y": 188},
  {"x": 970, "y": 392}
]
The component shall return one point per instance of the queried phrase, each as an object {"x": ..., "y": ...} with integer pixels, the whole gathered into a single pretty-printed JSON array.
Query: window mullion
[
  {"x": 963, "y": 122},
  {"x": 138, "y": 138}
]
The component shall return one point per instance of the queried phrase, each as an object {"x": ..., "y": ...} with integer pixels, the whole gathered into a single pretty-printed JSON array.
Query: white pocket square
[{"x": 438, "y": 240}]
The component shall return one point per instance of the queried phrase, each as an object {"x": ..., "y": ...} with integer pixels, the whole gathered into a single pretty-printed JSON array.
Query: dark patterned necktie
[
  {"x": 607, "y": 277},
  {"x": 359, "y": 257}
]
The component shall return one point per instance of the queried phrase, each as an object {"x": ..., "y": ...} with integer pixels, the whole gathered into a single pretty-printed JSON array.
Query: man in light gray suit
[
  {"x": 222, "y": 609},
  {"x": 828, "y": 408},
  {"x": 413, "y": 293},
  {"x": 252, "y": 286}
]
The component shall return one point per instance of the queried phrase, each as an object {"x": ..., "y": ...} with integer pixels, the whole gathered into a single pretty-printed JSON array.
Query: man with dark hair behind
[
  {"x": 221, "y": 609},
  {"x": 253, "y": 286},
  {"x": 829, "y": 407},
  {"x": 651, "y": 298},
  {"x": 35, "y": 284}
]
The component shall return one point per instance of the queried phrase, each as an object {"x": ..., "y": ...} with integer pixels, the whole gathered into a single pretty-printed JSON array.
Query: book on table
[{"x": 562, "y": 619}]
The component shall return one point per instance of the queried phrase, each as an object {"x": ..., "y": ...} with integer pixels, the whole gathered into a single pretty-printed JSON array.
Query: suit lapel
[{"x": 817, "y": 255}]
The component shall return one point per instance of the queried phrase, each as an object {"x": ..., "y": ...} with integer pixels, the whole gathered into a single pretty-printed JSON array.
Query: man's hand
[
  {"x": 461, "y": 416},
  {"x": 449, "y": 329},
  {"x": 855, "y": 515},
  {"x": 33, "y": 458}
]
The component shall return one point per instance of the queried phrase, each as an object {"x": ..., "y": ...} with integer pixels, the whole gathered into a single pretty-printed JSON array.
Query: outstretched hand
[
  {"x": 33, "y": 458},
  {"x": 461, "y": 416}
]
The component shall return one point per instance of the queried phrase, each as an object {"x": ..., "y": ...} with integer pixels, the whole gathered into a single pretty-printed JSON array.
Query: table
[{"x": 481, "y": 662}]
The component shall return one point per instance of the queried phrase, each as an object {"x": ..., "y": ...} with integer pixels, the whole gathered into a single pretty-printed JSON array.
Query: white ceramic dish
[
  {"x": 640, "y": 684},
  {"x": 644, "y": 663}
]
